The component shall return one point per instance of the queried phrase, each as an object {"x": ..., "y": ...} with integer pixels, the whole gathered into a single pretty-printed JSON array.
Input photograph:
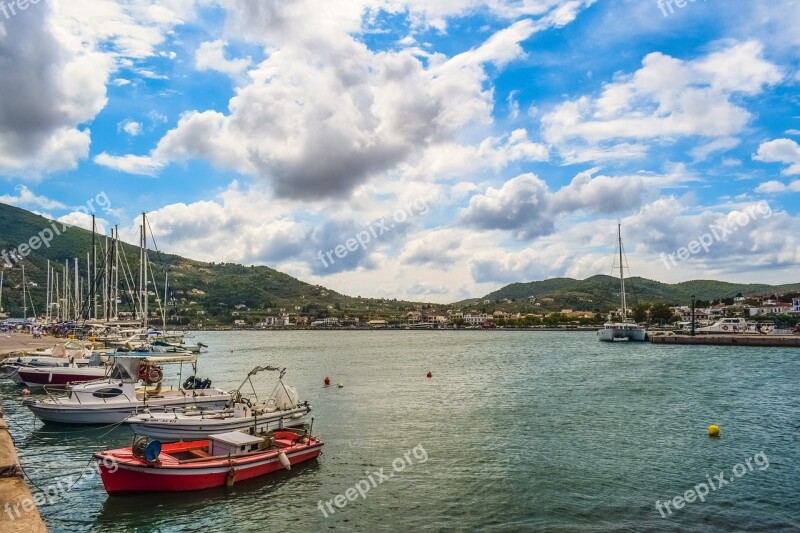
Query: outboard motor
[{"x": 205, "y": 384}]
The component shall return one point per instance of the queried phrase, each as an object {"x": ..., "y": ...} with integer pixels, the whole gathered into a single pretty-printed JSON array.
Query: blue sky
[{"x": 510, "y": 136}]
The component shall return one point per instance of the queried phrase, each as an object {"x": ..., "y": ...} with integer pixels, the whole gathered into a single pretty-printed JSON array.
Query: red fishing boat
[{"x": 221, "y": 460}]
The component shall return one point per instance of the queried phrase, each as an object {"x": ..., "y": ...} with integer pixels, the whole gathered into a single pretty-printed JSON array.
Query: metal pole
[{"x": 693, "y": 303}]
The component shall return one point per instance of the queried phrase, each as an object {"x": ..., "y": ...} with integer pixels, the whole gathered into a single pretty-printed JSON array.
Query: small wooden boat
[{"x": 221, "y": 460}]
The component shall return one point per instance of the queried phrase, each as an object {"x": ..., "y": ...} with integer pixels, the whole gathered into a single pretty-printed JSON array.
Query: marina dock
[
  {"x": 764, "y": 341},
  {"x": 18, "y": 508}
]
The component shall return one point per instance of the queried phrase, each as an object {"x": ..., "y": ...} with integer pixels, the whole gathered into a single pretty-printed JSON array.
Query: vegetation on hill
[{"x": 224, "y": 292}]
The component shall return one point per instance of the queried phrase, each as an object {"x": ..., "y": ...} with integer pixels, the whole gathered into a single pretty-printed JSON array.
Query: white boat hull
[
  {"x": 622, "y": 333},
  {"x": 114, "y": 412},
  {"x": 168, "y": 427}
]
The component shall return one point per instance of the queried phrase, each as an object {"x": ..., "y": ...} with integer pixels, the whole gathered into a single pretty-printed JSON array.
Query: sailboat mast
[
  {"x": 144, "y": 266},
  {"x": 1, "y": 286},
  {"x": 24, "y": 301},
  {"x": 622, "y": 276}
]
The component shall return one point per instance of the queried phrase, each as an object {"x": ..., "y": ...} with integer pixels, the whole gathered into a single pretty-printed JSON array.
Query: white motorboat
[
  {"x": 624, "y": 330},
  {"x": 114, "y": 398},
  {"x": 282, "y": 409},
  {"x": 725, "y": 326},
  {"x": 60, "y": 355}
]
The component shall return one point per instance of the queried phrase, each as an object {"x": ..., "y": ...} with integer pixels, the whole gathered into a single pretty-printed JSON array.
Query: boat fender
[
  {"x": 284, "y": 461},
  {"x": 230, "y": 478}
]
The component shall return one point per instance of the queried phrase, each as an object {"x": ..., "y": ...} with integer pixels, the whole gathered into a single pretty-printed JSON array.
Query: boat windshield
[{"x": 119, "y": 372}]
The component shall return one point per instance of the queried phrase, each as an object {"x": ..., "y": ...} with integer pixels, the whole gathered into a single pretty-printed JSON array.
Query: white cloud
[
  {"x": 527, "y": 208},
  {"x": 777, "y": 187},
  {"x": 26, "y": 197},
  {"x": 667, "y": 98},
  {"x": 131, "y": 164},
  {"x": 784, "y": 151},
  {"x": 317, "y": 121},
  {"x": 211, "y": 56},
  {"x": 83, "y": 220},
  {"x": 130, "y": 127},
  {"x": 62, "y": 55}
]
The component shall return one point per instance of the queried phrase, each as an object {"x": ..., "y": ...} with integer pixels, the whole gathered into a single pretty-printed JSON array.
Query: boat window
[
  {"x": 107, "y": 393},
  {"x": 119, "y": 372}
]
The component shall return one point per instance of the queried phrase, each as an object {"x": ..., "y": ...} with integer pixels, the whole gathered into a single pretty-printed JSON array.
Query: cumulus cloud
[
  {"x": 56, "y": 59},
  {"x": 667, "y": 98},
  {"x": 26, "y": 197},
  {"x": 210, "y": 55},
  {"x": 130, "y": 127},
  {"x": 323, "y": 113},
  {"x": 784, "y": 151},
  {"x": 527, "y": 208},
  {"x": 777, "y": 187}
]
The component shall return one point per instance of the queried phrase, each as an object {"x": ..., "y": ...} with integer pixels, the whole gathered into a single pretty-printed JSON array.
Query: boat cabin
[{"x": 234, "y": 443}]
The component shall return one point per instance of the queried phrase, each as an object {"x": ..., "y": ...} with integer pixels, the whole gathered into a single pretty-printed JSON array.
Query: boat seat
[{"x": 199, "y": 453}]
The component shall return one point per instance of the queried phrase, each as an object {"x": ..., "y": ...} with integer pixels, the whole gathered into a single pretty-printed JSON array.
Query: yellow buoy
[{"x": 713, "y": 430}]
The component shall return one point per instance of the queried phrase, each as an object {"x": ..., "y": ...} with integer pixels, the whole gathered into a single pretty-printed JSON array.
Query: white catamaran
[{"x": 624, "y": 330}]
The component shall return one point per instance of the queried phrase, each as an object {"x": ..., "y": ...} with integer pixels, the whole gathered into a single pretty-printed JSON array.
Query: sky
[{"x": 422, "y": 150}]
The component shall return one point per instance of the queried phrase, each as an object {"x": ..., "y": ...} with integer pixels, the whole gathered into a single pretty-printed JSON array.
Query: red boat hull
[
  {"x": 122, "y": 473},
  {"x": 42, "y": 377}
]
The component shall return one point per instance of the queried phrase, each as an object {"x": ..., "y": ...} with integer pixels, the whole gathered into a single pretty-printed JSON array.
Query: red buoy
[
  {"x": 26, "y": 392},
  {"x": 430, "y": 374},
  {"x": 327, "y": 380}
]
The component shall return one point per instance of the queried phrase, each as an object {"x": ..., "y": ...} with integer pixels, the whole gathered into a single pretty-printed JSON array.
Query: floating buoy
[
  {"x": 26, "y": 392},
  {"x": 327, "y": 381},
  {"x": 284, "y": 461},
  {"x": 713, "y": 430},
  {"x": 340, "y": 385},
  {"x": 430, "y": 374}
]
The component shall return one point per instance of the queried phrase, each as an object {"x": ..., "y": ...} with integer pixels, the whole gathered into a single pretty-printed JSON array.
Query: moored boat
[
  {"x": 624, "y": 330},
  {"x": 280, "y": 410},
  {"x": 221, "y": 460},
  {"x": 726, "y": 326},
  {"x": 114, "y": 398},
  {"x": 38, "y": 377}
]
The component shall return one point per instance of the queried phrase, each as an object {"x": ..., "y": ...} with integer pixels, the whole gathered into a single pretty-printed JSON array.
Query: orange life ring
[{"x": 154, "y": 375}]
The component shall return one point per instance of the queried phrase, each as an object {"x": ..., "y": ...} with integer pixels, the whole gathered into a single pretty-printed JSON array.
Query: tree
[
  {"x": 639, "y": 313},
  {"x": 660, "y": 312}
]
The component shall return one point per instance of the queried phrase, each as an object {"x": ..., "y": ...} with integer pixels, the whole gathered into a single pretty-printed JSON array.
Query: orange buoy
[
  {"x": 430, "y": 374},
  {"x": 26, "y": 392},
  {"x": 327, "y": 380}
]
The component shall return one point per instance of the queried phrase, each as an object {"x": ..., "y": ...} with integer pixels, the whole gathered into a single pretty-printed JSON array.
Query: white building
[
  {"x": 770, "y": 309},
  {"x": 476, "y": 320}
]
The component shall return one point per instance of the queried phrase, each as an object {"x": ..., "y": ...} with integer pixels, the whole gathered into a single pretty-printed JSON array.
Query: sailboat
[{"x": 624, "y": 330}]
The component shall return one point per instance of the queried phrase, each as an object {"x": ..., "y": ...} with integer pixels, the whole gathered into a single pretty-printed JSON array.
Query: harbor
[{"x": 567, "y": 414}]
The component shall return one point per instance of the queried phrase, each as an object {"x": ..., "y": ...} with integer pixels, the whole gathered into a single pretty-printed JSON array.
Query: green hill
[
  {"x": 222, "y": 292},
  {"x": 215, "y": 289},
  {"x": 602, "y": 292}
]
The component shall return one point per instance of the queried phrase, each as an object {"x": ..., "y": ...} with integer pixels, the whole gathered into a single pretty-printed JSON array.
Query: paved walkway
[{"x": 21, "y": 342}]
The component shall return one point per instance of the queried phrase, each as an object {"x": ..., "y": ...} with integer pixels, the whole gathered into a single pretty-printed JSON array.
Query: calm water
[{"x": 521, "y": 430}]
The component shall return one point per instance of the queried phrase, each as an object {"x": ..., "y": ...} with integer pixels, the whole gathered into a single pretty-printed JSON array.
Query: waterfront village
[{"x": 487, "y": 314}]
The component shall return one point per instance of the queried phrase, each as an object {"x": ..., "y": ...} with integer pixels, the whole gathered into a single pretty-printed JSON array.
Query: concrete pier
[
  {"x": 13, "y": 343},
  {"x": 764, "y": 341},
  {"x": 18, "y": 510}
]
